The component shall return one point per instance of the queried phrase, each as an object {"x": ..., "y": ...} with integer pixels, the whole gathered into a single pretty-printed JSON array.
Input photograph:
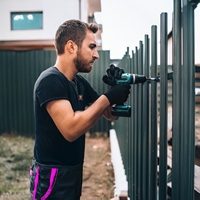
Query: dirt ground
[
  {"x": 16, "y": 153},
  {"x": 98, "y": 175}
]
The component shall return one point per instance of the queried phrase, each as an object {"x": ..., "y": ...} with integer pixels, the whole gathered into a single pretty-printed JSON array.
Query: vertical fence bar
[
  {"x": 140, "y": 121},
  {"x": 177, "y": 100},
  {"x": 163, "y": 108},
  {"x": 127, "y": 133},
  {"x": 131, "y": 157},
  {"x": 153, "y": 137},
  {"x": 126, "y": 121},
  {"x": 188, "y": 132},
  {"x": 135, "y": 183},
  {"x": 145, "y": 142}
]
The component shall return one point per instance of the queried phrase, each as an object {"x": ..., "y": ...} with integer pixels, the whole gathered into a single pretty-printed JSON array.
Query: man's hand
[
  {"x": 113, "y": 73},
  {"x": 118, "y": 94}
]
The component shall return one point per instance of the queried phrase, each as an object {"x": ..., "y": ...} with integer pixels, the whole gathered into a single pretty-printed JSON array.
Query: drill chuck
[{"x": 139, "y": 78}]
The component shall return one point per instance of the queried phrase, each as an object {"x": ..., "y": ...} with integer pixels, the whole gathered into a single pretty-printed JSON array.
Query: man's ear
[{"x": 70, "y": 46}]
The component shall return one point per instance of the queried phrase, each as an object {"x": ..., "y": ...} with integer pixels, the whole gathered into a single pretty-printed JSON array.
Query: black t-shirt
[{"x": 50, "y": 145}]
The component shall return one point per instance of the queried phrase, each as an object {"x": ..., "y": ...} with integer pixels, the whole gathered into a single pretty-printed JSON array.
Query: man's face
[{"x": 87, "y": 54}]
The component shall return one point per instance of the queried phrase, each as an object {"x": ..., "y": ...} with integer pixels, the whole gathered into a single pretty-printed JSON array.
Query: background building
[{"x": 32, "y": 24}]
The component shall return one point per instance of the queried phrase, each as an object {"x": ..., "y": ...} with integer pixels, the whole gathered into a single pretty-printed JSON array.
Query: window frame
[{"x": 25, "y": 13}]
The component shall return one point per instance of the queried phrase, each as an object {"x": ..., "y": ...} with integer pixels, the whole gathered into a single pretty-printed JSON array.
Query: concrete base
[{"x": 121, "y": 185}]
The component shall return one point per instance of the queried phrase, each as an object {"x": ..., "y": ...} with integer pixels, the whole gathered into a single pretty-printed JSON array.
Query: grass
[
  {"x": 15, "y": 160},
  {"x": 16, "y": 154}
]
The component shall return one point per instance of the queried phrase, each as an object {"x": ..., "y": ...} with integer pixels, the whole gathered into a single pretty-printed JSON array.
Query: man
[{"x": 60, "y": 99}]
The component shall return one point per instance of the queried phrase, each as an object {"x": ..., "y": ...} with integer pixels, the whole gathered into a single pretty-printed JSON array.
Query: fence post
[
  {"x": 177, "y": 100},
  {"x": 163, "y": 108},
  {"x": 153, "y": 135},
  {"x": 131, "y": 135},
  {"x": 140, "y": 118},
  {"x": 135, "y": 174},
  {"x": 145, "y": 142},
  {"x": 188, "y": 133}
]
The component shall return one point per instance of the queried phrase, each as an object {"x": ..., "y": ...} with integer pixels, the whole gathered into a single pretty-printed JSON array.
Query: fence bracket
[{"x": 170, "y": 75}]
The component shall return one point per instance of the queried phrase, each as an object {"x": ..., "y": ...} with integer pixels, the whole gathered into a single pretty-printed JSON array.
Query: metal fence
[
  {"x": 19, "y": 71},
  {"x": 137, "y": 136}
]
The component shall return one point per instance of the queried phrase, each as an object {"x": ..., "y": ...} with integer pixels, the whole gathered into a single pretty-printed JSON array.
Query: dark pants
[{"x": 55, "y": 182}]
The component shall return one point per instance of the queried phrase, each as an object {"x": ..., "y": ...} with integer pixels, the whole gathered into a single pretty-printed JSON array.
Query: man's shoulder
[
  {"x": 50, "y": 76},
  {"x": 49, "y": 71}
]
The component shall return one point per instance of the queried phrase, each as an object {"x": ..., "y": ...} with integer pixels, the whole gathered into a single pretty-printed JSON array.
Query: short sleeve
[
  {"x": 92, "y": 95},
  {"x": 51, "y": 88}
]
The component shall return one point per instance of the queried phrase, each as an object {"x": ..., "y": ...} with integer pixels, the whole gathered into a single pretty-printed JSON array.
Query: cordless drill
[{"x": 125, "y": 110}]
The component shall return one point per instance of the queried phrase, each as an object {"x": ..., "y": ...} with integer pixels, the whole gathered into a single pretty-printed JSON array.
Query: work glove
[
  {"x": 113, "y": 73},
  {"x": 118, "y": 94}
]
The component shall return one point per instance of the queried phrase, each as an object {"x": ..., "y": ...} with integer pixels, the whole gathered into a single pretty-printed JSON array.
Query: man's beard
[{"x": 81, "y": 64}]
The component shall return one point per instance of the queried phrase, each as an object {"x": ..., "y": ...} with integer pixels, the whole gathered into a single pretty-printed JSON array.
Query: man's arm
[
  {"x": 108, "y": 115},
  {"x": 74, "y": 124}
]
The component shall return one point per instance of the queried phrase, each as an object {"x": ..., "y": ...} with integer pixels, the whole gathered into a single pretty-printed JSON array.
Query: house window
[{"x": 26, "y": 20}]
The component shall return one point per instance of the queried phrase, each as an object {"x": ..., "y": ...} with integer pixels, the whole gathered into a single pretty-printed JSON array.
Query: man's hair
[{"x": 74, "y": 30}]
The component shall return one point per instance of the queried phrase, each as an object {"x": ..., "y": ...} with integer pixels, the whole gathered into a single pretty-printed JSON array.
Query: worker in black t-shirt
[{"x": 61, "y": 117}]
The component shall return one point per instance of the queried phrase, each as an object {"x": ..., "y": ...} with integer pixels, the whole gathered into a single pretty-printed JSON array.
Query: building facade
[{"x": 32, "y": 24}]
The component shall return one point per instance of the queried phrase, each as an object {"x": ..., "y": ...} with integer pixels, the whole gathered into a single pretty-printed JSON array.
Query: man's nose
[{"x": 95, "y": 55}]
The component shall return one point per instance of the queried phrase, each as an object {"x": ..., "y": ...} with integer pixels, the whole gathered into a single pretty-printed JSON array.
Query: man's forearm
[{"x": 96, "y": 110}]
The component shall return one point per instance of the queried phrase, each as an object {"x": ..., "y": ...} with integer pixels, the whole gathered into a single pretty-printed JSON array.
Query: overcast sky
[{"x": 126, "y": 22}]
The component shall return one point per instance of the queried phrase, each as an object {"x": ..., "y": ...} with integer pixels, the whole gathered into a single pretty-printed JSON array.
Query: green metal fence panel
[
  {"x": 19, "y": 71},
  {"x": 137, "y": 136}
]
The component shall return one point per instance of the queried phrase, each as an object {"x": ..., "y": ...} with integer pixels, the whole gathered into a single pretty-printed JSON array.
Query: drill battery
[{"x": 121, "y": 110}]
